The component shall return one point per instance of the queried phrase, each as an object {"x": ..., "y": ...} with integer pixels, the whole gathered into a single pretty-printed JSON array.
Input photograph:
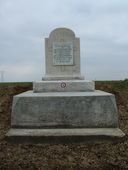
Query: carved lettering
[{"x": 63, "y": 53}]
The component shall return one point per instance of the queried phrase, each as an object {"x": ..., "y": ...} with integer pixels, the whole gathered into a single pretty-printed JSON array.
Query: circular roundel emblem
[{"x": 63, "y": 85}]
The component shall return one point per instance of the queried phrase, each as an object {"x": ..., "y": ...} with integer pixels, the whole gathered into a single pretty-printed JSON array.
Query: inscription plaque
[{"x": 62, "y": 53}]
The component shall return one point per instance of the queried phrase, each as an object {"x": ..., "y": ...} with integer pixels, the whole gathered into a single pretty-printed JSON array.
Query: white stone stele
[
  {"x": 62, "y": 55},
  {"x": 63, "y": 86}
]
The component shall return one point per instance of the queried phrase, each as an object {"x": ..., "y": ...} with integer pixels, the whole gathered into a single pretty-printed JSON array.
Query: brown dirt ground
[{"x": 105, "y": 155}]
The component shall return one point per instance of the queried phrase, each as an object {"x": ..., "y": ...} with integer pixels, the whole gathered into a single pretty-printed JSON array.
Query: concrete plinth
[
  {"x": 63, "y": 86},
  {"x": 64, "y": 109}
]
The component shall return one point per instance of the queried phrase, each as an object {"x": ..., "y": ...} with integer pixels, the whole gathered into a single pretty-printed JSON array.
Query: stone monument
[{"x": 63, "y": 104}]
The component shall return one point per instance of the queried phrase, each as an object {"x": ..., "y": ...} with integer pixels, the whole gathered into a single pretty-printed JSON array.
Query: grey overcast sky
[{"x": 102, "y": 26}]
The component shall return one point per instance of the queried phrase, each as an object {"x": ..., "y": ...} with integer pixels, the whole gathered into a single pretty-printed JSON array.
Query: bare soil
[{"x": 104, "y": 155}]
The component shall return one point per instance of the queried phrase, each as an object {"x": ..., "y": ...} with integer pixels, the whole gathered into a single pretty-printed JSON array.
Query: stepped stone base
[
  {"x": 66, "y": 77},
  {"x": 63, "y": 86},
  {"x": 64, "y": 109},
  {"x": 63, "y": 135}
]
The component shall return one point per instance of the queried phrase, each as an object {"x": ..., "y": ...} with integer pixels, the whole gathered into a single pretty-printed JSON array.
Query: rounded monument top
[{"x": 62, "y": 32}]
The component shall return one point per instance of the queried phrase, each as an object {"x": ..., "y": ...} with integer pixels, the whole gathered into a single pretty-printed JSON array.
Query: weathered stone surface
[
  {"x": 62, "y": 55},
  {"x": 64, "y": 109},
  {"x": 63, "y": 86}
]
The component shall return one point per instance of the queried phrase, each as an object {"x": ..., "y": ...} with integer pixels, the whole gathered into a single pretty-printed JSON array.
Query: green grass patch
[
  {"x": 116, "y": 84},
  {"x": 22, "y": 84}
]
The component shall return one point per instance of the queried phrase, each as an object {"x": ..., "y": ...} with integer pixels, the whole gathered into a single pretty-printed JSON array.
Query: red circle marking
[{"x": 63, "y": 85}]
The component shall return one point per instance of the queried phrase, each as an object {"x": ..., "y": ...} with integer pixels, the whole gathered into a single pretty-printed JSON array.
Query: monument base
[
  {"x": 63, "y": 135},
  {"x": 64, "y": 109},
  {"x": 63, "y": 86},
  {"x": 54, "y": 117}
]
